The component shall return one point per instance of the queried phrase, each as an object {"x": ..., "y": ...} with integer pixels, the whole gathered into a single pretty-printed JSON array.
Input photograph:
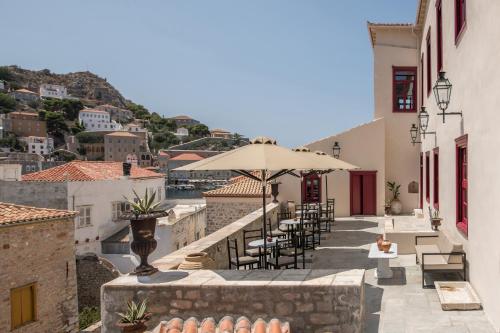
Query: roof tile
[
  {"x": 13, "y": 214},
  {"x": 88, "y": 171},
  {"x": 241, "y": 187},
  {"x": 187, "y": 157},
  {"x": 226, "y": 325}
]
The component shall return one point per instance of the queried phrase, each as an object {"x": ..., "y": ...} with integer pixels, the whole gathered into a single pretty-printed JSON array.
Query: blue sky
[{"x": 294, "y": 70}]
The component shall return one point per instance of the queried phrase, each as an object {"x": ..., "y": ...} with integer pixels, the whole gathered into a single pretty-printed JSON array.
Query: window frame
[
  {"x": 427, "y": 177},
  {"x": 395, "y": 69},
  {"x": 439, "y": 36},
  {"x": 87, "y": 216},
  {"x": 428, "y": 50},
  {"x": 460, "y": 7},
  {"x": 435, "y": 179},
  {"x": 115, "y": 214},
  {"x": 462, "y": 223},
  {"x": 33, "y": 292}
]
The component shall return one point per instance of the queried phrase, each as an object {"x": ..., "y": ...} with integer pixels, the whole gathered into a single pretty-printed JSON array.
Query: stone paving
[{"x": 397, "y": 305}]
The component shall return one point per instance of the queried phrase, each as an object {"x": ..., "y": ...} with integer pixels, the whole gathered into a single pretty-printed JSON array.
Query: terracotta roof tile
[
  {"x": 94, "y": 111},
  {"x": 88, "y": 171},
  {"x": 13, "y": 214},
  {"x": 26, "y": 91},
  {"x": 219, "y": 130},
  {"x": 122, "y": 133},
  {"x": 226, "y": 325},
  {"x": 242, "y": 187},
  {"x": 187, "y": 157}
]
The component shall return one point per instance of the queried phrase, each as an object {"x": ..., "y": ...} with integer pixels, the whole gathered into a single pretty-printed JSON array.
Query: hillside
[{"x": 84, "y": 85}]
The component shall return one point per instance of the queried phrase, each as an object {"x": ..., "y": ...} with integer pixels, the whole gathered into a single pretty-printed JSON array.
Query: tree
[
  {"x": 77, "y": 127},
  {"x": 158, "y": 124},
  {"x": 89, "y": 137},
  {"x": 5, "y": 74},
  {"x": 237, "y": 139},
  {"x": 138, "y": 110},
  {"x": 7, "y": 103},
  {"x": 11, "y": 141},
  {"x": 68, "y": 107},
  {"x": 199, "y": 131},
  {"x": 56, "y": 126},
  {"x": 163, "y": 140}
]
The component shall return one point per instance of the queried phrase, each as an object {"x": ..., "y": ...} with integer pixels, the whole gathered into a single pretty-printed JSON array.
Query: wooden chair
[{"x": 247, "y": 262}]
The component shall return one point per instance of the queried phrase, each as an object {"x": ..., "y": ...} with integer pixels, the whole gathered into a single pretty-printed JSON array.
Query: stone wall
[
  {"x": 215, "y": 244},
  {"x": 223, "y": 211},
  {"x": 35, "y": 194},
  {"x": 92, "y": 272},
  {"x": 313, "y": 301},
  {"x": 42, "y": 253}
]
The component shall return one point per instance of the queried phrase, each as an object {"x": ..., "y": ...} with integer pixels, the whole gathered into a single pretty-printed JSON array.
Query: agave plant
[
  {"x": 145, "y": 205},
  {"x": 135, "y": 313},
  {"x": 394, "y": 188}
]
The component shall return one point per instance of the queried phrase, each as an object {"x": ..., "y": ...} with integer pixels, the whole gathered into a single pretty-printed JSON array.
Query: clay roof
[
  {"x": 219, "y": 130},
  {"x": 162, "y": 153},
  {"x": 187, "y": 157},
  {"x": 13, "y": 214},
  {"x": 26, "y": 91},
  {"x": 225, "y": 325},
  {"x": 31, "y": 114},
  {"x": 122, "y": 133},
  {"x": 93, "y": 111},
  {"x": 88, "y": 171},
  {"x": 373, "y": 26},
  {"x": 240, "y": 187}
]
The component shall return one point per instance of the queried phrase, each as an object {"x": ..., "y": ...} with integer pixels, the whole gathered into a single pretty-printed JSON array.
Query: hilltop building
[
  {"x": 220, "y": 133},
  {"x": 39, "y": 144},
  {"x": 182, "y": 121},
  {"x": 42, "y": 298},
  {"x": 24, "y": 95},
  {"x": 53, "y": 91},
  {"x": 121, "y": 147},
  {"x": 116, "y": 113},
  {"x": 25, "y": 124},
  {"x": 96, "y": 120}
]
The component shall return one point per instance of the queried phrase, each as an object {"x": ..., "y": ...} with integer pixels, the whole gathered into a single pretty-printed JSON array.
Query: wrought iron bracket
[{"x": 444, "y": 114}]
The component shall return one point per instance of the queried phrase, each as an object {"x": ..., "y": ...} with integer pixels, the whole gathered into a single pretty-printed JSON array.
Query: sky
[{"x": 294, "y": 70}]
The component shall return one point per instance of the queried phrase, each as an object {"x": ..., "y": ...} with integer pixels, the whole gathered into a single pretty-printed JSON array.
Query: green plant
[
  {"x": 7, "y": 103},
  {"x": 135, "y": 313},
  {"x": 394, "y": 188},
  {"x": 145, "y": 205},
  {"x": 435, "y": 214},
  {"x": 88, "y": 316}
]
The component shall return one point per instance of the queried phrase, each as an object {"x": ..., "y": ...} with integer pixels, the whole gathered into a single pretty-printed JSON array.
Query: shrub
[
  {"x": 89, "y": 137},
  {"x": 88, "y": 316},
  {"x": 7, "y": 103}
]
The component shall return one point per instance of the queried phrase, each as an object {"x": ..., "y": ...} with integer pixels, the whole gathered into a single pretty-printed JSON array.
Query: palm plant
[
  {"x": 135, "y": 313},
  {"x": 145, "y": 205},
  {"x": 394, "y": 188}
]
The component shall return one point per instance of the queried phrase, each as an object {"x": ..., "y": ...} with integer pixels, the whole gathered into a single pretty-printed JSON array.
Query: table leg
[{"x": 383, "y": 270}]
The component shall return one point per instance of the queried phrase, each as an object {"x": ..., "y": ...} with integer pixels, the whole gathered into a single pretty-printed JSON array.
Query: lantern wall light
[
  {"x": 336, "y": 149},
  {"x": 423, "y": 118},
  {"x": 414, "y": 134},
  {"x": 442, "y": 93}
]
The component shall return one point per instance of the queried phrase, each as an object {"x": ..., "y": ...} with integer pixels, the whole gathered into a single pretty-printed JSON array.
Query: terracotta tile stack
[{"x": 226, "y": 325}]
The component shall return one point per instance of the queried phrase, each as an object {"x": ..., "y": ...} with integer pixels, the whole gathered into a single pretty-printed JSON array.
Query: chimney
[{"x": 126, "y": 169}]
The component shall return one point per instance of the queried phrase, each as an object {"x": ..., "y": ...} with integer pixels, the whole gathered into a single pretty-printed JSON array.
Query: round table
[
  {"x": 290, "y": 222},
  {"x": 260, "y": 242}
]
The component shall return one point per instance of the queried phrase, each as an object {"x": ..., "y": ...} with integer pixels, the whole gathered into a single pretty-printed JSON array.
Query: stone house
[
  {"x": 116, "y": 113},
  {"x": 24, "y": 95},
  {"x": 220, "y": 133},
  {"x": 95, "y": 189},
  {"x": 25, "y": 124},
  {"x": 39, "y": 144},
  {"x": 187, "y": 157},
  {"x": 182, "y": 121},
  {"x": 121, "y": 147},
  {"x": 38, "y": 292},
  {"x": 53, "y": 91},
  {"x": 227, "y": 204}
]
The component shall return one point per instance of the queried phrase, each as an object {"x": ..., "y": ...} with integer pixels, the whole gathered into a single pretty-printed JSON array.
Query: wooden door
[
  {"x": 363, "y": 192},
  {"x": 311, "y": 188}
]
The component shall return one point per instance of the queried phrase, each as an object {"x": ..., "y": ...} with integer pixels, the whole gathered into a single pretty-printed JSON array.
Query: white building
[
  {"x": 181, "y": 133},
  {"x": 97, "y": 120},
  {"x": 53, "y": 91},
  {"x": 39, "y": 144},
  {"x": 96, "y": 190}
]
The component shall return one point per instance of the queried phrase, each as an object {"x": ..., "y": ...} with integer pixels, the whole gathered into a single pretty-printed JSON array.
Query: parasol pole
[{"x": 263, "y": 177}]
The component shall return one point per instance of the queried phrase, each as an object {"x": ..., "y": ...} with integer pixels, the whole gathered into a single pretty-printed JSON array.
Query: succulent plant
[
  {"x": 135, "y": 312},
  {"x": 144, "y": 205}
]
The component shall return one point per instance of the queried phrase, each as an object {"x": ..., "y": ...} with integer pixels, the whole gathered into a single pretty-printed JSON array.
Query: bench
[{"x": 442, "y": 256}]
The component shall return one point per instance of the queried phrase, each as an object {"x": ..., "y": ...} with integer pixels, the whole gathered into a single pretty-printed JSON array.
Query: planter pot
[
  {"x": 275, "y": 191},
  {"x": 138, "y": 327},
  {"x": 379, "y": 240},
  {"x": 387, "y": 209},
  {"x": 436, "y": 222},
  {"x": 199, "y": 260},
  {"x": 386, "y": 246},
  {"x": 144, "y": 242},
  {"x": 396, "y": 207}
]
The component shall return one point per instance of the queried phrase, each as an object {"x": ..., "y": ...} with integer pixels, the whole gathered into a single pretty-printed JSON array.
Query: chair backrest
[
  {"x": 284, "y": 215},
  {"x": 249, "y": 235},
  {"x": 232, "y": 244}
]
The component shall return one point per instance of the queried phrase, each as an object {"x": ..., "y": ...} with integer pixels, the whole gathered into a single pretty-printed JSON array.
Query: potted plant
[
  {"x": 396, "y": 205},
  {"x": 387, "y": 207},
  {"x": 142, "y": 218},
  {"x": 436, "y": 220},
  {"x": 134, "y": 319}
]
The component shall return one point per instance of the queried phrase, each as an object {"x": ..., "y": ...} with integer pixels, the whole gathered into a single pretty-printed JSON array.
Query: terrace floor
[{"x": 398, "y": 305}]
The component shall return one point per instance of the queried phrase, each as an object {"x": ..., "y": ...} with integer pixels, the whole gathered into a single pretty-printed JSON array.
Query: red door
[
  {"x": 311, "y": 188},
  {"x": 363, "y": 192}
]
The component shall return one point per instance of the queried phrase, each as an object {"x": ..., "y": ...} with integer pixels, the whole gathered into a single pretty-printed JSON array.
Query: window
[
  {"x": 429, "y": 63},
  {"x": 462, "y": 184},
  {"x": 404, "y": 89},
  {"x": 23, "y": 305},
  {"x": 427, "y": 177},
  {"x": 435, "y": 193},
  {"x": 421, "y": 180},
  {"x": 118, "y": 208},
  {"x": 439, "y": 35},
  {"x": 84, "y": 216},
  {"x": 422, "y": 80},
  {"x": 460, "y": 14}
]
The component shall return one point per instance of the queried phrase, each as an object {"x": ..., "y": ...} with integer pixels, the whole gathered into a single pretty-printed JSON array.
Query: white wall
[
  {"x": 100, "y": 195},
  {"x": 472, "y": 67}
]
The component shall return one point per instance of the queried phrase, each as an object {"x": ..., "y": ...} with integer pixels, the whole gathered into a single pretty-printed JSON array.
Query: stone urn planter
[
  {"x": 436, "y": 222},
  {"x": 138, "y": 327},
  {"x": 275, "y": 191},
  {"x": 396, "y": 207},
  {"x": 386, "y": 246},
  {"x": 144, "y": 242},
  {"x": 195, "y": 261}
]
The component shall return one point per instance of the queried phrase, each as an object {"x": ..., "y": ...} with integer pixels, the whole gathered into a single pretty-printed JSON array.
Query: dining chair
[
  {"x": 247, "y": 262},
  {"x": 254, "y": 234},
  {"x": 276, "y": 232},
  {"x": 287, "y": 252},
  {"x": 312, "y": 230}
]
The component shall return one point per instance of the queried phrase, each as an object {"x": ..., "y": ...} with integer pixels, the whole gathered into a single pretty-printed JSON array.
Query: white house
[
  {"x": 181, "y": 132},
  {"x": 97, "y": 190},
  {"x": 53, "y": 91},
  {"x": 39, "y": 144},
  {"x": 97, "y": 120}
]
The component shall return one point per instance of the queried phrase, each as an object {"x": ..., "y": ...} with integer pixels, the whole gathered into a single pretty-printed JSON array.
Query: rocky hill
[{"x": 84, "y": 85}]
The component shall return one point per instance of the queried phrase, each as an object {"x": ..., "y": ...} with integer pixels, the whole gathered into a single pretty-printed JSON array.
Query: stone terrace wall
[
  {"x": 215, "y": 244},
  {"x": 313, "y": 301},
  {"x": 223, "y": 211},
  {"x": 35, "y": 194}
]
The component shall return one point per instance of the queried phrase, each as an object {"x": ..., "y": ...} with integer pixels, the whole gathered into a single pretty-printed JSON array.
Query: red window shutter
[
  {"x": 427, "y": 177},
  {"x": 435, "y": 197}
]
